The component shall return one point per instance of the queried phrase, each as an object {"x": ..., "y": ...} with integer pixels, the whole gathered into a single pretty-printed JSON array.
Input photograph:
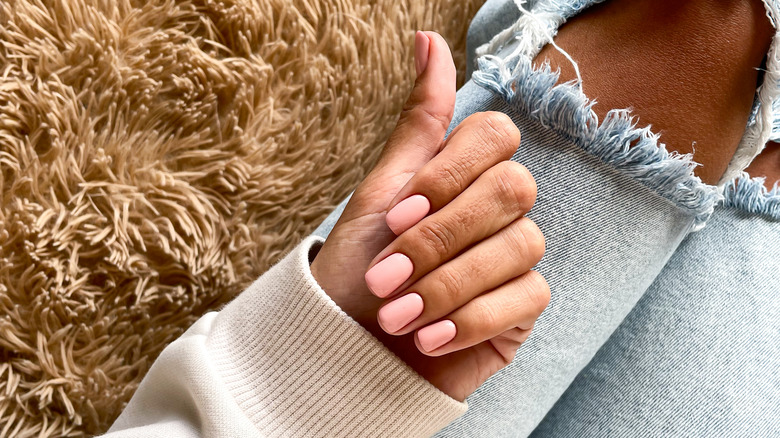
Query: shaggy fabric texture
[{"x": 157, "y": 156}]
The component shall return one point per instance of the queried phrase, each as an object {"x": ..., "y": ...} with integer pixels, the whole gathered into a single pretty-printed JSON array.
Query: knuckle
[
  {"x": 484, "y": 313},
  {"x": 451, "y": 178},
  {"x": 525, "y": 239},
  {"x": 450, "y": 286},
  {"x": 514, "y": 186},
  {"x": 534, "y": 239},
  {"x": 425, "y": 178},
  {"x": 498, "y": 130},
  {"x": 536, "y": 291},
  {"x": 416, "y": 113},
  {"x": 436, "y": 238}
]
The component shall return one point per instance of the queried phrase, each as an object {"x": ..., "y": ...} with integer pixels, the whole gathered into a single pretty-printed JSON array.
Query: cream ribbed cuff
[{"x": 299, "y": 366}]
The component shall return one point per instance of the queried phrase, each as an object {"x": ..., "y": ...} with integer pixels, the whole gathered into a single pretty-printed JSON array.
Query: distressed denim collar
[{"x": 505, "y": 67}]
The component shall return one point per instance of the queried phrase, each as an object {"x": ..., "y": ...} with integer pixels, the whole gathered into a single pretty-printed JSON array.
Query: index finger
[{"x": 479, "y": 142}]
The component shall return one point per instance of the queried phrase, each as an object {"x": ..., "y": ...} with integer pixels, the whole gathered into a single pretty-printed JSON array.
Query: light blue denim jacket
[{"x": 615, "y": 206}]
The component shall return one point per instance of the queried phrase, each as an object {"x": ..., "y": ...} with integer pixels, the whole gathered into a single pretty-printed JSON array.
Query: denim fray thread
[
  {"x": 764, "y": 123},
  {"x": 531, "y": 33},
  {"x": 773, "y": 71},
  {"x": 617, "y": 141},
  {"x": 751, "y": 196}
]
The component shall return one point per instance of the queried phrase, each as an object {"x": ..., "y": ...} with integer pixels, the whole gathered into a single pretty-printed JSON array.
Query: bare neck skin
[
  {"x": 767, "y": 165},
  {"x": 688, "y": 68}
]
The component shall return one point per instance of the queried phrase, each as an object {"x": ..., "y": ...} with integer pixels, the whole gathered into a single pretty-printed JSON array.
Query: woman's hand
[{"x": 433, "y": 253}]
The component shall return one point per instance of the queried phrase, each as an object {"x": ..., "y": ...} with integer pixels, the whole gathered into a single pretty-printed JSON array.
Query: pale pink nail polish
[
  {"x": 407, "y": 213},
  {"x": 398, "y": 313},
  {"x": 436, "y": 335},
  {"x": 422, "y": 46},
  {"x": 387, "y": 275}
]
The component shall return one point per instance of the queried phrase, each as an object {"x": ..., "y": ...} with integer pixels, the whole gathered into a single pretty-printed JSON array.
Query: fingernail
[
  {"x": 436, "y": 335},
  {"x": 396, "y": 314},
  {"x": 407, "y": 213},
  {"x": 387, "y": 275},
  {"x": 422, "y": 45}
]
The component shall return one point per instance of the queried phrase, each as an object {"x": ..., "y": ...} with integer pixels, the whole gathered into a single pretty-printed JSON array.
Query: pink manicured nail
[
  {"x": 436, "y": 335},
  {"x": 396, "y": 314},
  {"x": 407, "y": 213},
  {"x": 422, "y": 45},
  {"x": 387, "y": 275}
]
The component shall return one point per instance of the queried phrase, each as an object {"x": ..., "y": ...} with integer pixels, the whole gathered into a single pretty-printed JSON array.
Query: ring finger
[
  {"x": 517, "y": 303},
  {"x": 503, "y": 256}
]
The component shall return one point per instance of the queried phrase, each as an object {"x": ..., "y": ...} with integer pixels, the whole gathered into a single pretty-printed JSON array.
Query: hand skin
[
  {"x": 687, "y": 68},
  {"x": 471, "y": 254}
]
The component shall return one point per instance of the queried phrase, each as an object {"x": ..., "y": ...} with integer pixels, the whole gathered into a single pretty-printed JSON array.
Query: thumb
[{"x": 420, "y": 131}]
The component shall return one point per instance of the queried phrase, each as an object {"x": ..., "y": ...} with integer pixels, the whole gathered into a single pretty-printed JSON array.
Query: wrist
[{"x": 331, "y": 279}]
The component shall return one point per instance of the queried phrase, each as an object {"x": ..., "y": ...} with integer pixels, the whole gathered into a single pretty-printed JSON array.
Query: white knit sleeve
[{"x": 283, "y": 359}]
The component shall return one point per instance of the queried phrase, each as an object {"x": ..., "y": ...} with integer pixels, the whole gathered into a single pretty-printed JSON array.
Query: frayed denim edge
[
  {"x": 532, "y": 32},
  {"x": 617, "y": 141},
  {"x": 764, "y": 125},
  {"x": 751, "y": 196},
  {"x": 773, "y": 66}
]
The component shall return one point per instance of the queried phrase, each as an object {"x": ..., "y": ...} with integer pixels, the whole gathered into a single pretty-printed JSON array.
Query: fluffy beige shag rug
[{"x": 157, "y": 156}]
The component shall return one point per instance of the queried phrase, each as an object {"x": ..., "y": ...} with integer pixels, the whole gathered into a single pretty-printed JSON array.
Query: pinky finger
[
  {"x": 515, "y": 304},
  {"x": 507, "y": 343}
]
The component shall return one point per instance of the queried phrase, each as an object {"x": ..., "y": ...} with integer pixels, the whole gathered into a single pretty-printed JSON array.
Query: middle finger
[
  {"x": 503, "y": 193},
  {"x": 503, "y": 256}
]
